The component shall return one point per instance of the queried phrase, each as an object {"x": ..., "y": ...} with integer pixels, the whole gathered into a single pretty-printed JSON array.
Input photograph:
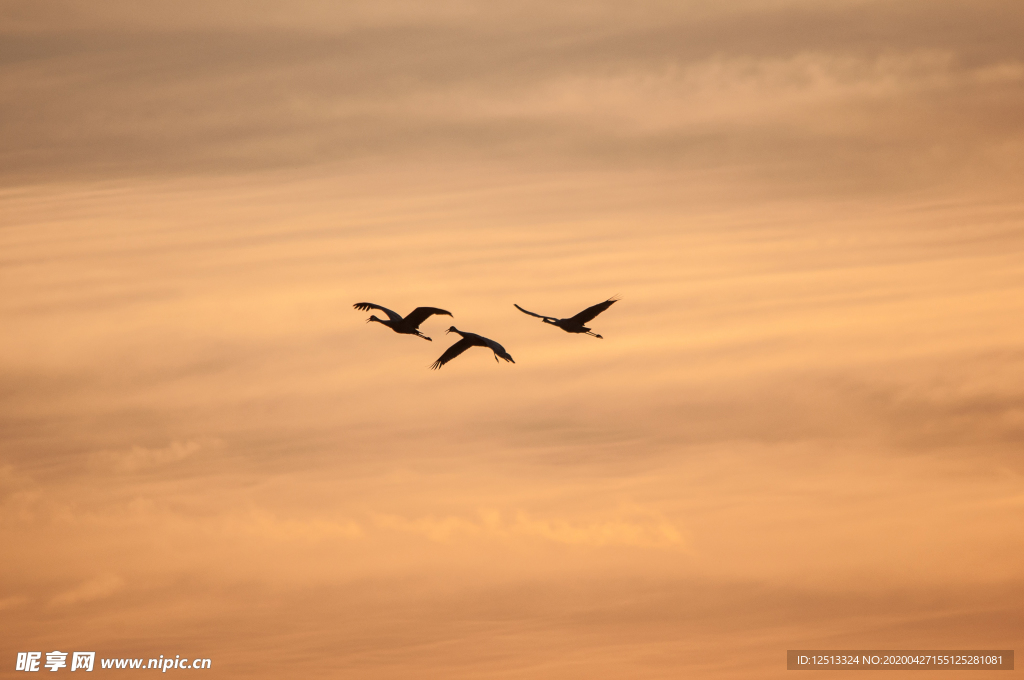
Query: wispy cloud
[
  {"x": 778, "y": 88},
  {"x": 652, "y": 531},
  {"x": 94, "y": 589},
  {"x": 141, "y": 458}
]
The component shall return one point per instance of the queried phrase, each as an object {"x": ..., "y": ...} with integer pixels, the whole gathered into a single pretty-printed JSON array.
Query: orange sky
[{"x": 802, "y": 429}]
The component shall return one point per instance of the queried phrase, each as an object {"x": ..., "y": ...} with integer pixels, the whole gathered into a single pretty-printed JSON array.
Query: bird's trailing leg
[
  {"x": 595, "y": 335},
  {"x": 422, "y": 336}
]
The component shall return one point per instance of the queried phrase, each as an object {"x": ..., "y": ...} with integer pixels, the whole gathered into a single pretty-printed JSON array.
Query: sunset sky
[{"x": 803, "y": 429}]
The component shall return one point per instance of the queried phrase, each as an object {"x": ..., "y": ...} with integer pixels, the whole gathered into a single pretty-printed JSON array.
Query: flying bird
[
  {"x": 574, "y": 324},
  {"x": 470, "y": 340},
  {"x": 409, "y": 325}
]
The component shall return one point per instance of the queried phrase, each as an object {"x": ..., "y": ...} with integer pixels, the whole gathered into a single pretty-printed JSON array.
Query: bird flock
[{"x": 410, "y": 325}]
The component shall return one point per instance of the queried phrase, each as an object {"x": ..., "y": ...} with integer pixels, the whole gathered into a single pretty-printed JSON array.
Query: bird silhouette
[
  {"x": 409, "y": 325},
  {"x": 470, "y": 340},
  {"x": 574, "y": 324}
]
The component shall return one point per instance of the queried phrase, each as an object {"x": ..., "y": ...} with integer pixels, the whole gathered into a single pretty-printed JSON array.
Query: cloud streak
[{"x": 763, "y": 89}]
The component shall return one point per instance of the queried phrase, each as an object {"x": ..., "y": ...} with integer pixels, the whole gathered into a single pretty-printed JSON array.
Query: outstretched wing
[
  {"x": 452, "y": 352},
  {"x": 590, "y": 312},
  {"x": 499, "y": 350},
  {"x": 420, "y": 314},
  {"x": 367, "y": 306},
  {"x": 539, "y": 316}
]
